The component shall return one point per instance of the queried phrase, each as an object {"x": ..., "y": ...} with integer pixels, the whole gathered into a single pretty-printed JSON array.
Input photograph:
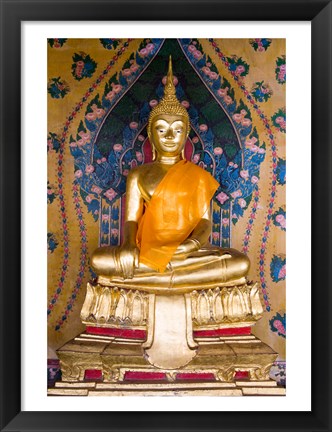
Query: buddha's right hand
[{"x": 129, "y": 260}]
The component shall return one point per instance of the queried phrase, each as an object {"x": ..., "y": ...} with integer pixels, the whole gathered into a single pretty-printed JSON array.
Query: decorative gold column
[{"x": 173, "y": 346}]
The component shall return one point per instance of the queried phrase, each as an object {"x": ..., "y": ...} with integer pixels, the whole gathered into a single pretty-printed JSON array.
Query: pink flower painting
[
  {"x": 110, "y": 194},
  {"x": 222, "y": 197}
]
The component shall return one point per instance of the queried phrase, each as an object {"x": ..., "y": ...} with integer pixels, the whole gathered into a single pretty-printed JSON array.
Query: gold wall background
[{"x": 78, "y": 71}]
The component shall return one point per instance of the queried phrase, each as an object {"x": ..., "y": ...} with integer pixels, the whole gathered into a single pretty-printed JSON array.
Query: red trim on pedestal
[
  {"x": 241, "y": 375},
  {"x": 144, "y": 376},
  {"x": 235, "y": 331},
  {"x": 53, "y": 363},
  {"x": 93, "y": 374},
  {"x": 117, "y": 332},
  {"x": 196, "y": 376}
]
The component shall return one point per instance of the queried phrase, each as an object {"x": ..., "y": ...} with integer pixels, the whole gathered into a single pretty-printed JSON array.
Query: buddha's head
[{"x": 168, "y": 125}]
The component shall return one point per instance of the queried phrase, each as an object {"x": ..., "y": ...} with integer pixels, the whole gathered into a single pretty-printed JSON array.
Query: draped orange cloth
[{"x": 177, "y": 205}]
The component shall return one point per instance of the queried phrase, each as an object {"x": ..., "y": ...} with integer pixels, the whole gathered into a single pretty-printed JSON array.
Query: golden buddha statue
[
  {"x": 168, "y": 219},
  {"x": 166, "y": 304}
]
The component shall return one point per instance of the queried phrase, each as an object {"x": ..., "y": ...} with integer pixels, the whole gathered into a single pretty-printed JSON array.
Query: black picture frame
[{"x": 12, "y": 13}]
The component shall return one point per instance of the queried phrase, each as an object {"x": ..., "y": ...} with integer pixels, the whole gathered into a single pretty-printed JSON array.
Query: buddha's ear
[
  {"x": 153, "y": 151},
  {"x": 151, "y": 143}
]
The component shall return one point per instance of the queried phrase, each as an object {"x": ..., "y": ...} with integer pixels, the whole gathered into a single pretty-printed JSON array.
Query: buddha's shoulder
[
  {"x": 202, "y": 175},
  {"x": 197, "y": 169},
  {"x": 141, "y": 171}
]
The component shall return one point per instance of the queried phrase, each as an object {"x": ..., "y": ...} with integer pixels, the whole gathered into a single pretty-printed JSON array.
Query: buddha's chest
[{"x": 150, "y": 180}]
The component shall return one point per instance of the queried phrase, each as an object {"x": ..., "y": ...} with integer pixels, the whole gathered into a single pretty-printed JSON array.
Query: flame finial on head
[
  {"x": 169, "y": 103},
  {"x": 169, "y": 91}
]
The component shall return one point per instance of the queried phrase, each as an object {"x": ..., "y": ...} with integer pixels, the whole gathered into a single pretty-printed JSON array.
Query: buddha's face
[{"x": 168, "y": 134}]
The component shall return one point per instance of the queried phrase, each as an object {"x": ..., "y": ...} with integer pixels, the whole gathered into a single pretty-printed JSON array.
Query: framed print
[{"x": 220, "y": 67}]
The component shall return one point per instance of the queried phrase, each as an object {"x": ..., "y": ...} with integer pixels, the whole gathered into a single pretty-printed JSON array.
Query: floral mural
[
  {"x": 57, "y": 88},
  {"x": 99, "y": 102},
  {"x": 83, "y": 66},
  {"x": 260, "y": 45}
]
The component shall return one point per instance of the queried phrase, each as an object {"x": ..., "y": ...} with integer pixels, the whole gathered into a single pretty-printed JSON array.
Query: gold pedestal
[{"x": 193, "y": 343}]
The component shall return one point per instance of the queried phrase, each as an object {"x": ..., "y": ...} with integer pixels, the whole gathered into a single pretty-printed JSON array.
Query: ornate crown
[{"x": 169, "y": 104}]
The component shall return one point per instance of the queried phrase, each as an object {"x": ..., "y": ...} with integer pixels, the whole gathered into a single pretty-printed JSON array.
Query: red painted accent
[
  {"x": 144, "y": 376},
  {"x": 188, "y": 150},
  {"x": 235, "y": 331},
  {"x": 241, "y": 375},
  {"x": 93, "y": 374},
  {"x": 53, "y": 363},
  {"x": 196, "y": 376},
  {"x": 116, "y": 332},
  {"x": 147, "y": 151}
]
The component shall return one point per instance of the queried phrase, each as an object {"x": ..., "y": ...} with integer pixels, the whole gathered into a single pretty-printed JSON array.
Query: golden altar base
[{"x": 190, "y": 343}]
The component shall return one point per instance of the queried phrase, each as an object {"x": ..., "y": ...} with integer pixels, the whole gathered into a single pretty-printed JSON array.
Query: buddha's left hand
[
  {"x": 129, "y": 259},
  {"x": 185, "y": 249}
]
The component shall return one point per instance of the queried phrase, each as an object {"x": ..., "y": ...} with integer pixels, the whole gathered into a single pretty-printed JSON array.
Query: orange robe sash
[{"x": 177, "y": 205}]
